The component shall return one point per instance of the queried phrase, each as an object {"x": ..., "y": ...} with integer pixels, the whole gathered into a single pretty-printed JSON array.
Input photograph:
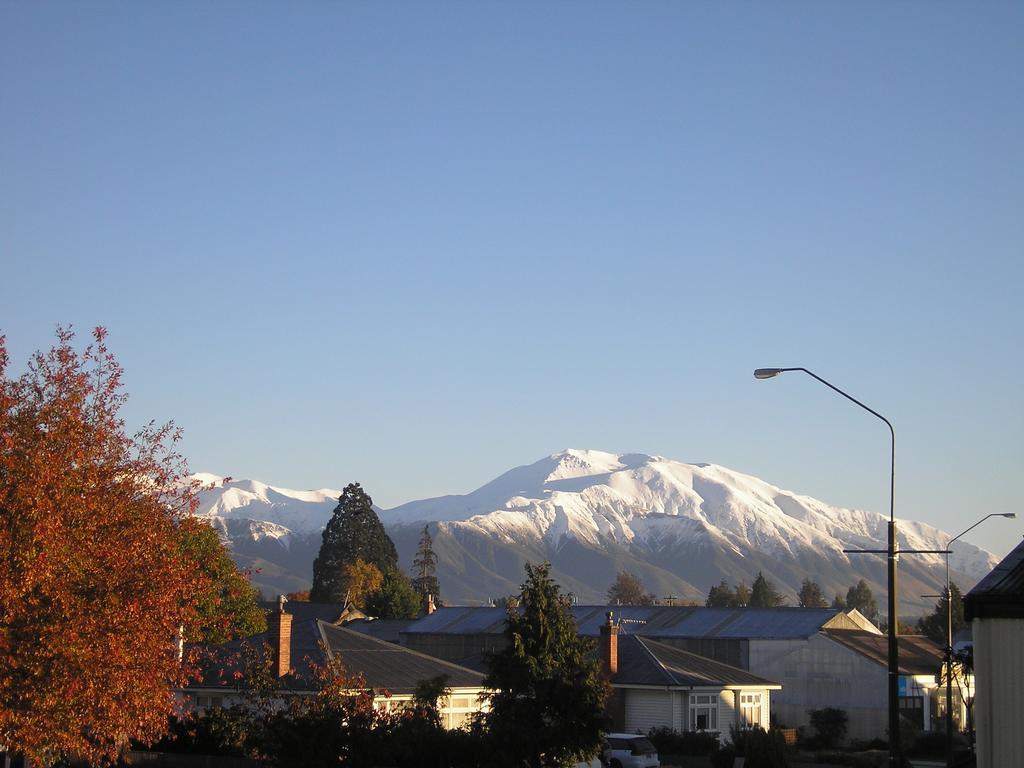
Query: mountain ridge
[{"x": 681, "y": 526}]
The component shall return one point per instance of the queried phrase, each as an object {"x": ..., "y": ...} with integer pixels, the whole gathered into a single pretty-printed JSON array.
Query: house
[
  {"x": 798, "y": 648},
  {"x": 298, "y": 640},
  {"x": 655, "y": 685},
  {"x": 848, "y": 670},
  {"x": 995, "y": 608}
]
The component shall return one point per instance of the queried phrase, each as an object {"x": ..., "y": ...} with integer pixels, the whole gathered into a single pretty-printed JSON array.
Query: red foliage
[{"x": 93, "y": 589}]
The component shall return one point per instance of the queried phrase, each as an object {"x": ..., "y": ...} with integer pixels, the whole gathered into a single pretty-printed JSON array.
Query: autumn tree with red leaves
[{"x": 93, "y": 584}]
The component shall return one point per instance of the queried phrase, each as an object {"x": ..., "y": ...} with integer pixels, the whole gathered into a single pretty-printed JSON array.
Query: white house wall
[
  {"x": 998, "y": 704},
  {"x": 647, "y": 709}
]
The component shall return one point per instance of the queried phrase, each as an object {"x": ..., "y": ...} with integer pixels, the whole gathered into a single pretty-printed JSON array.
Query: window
[
  {"x": 209, "y": 702},
  {"x": 750, "y": 710},
  {"x": 458, "y": 712},
  {"x": 704, "y": 712},
  {"x": 912, "y": 708}
]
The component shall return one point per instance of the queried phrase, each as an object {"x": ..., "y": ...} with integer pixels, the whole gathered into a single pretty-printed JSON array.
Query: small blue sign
[{"x": 903, "y": 686}]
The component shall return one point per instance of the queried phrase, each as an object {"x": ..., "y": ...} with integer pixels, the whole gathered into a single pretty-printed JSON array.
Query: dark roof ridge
[
  {"x": 667, "y": 672},
  {"x": 386, "y": 646},
  {"x": 704, "y": 660}
]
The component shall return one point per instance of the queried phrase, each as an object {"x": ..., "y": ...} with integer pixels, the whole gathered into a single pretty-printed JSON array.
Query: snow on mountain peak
[
  {"x": 645, "y": 503},
  {"x": 591, "y": 495},
  {"x": 294, "y": 511}
]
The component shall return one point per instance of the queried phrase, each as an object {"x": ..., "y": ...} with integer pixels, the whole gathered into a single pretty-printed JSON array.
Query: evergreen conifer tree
[
  {"x": 721, "y": 596},
  {"x": 424, "y": 569},
  {"x": 353, "y": 532},
  {"x": 933, "y": 625},
  {"x": 548, "y": 695},
  {"x": 811, "y": 596},
  {"x": 764, "y": 594}
]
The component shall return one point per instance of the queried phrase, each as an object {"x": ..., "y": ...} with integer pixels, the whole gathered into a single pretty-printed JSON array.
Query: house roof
[
  {"x": 1000, "y": 595},
  {"x": 918, "y": 654},
  {"x": 383, "y": 629},
  {"x": 303, "y": 610},
  {"x": 643, "y": 661},
  {"x": 223, "y": 665},
  {"x": 650, "y": 621},
  {"x": 384, "y": 665},
  {"x": 391, "y": 667}
]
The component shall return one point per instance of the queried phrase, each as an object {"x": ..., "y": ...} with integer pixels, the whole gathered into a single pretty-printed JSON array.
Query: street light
[
  {"x": 890, "y": 552},
  {"x": 949, "y": 636}
]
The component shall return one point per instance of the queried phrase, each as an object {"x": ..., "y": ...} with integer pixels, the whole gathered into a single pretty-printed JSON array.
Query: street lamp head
[
  {"x": 767, "y": 373},
  {"x": 1011, "y": 515}
]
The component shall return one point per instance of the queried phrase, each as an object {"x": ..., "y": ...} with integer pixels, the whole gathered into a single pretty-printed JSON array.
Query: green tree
[
  {"x": 839, "y": 602},
  {"x": 548, "y": 694},
  {"x": 629, "y": 590},
  {"x": 811, "y": 596},
  {"x": 764, "y": 594},
  {"x": 859, "y": 596},
  {"x": 395, "y": 599},
  {"x": 226, "y": 602},
  {"x": 933, "y": 625},
  {"x": 424, "y": 569},
  {"x": 743, "y": 595},
  {"x": 353, "y": 532},
  {"x": 721, "y": 596}
]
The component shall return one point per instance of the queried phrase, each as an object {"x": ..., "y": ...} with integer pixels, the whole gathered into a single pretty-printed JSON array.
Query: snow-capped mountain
[{"x": 681, "y": 527}]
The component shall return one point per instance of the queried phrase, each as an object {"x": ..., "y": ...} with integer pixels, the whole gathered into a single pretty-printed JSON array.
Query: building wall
[
  {"x": 645, "y": 709},
  {"x": 999, "y": 699},
  {"x": 817, "y": 673},
  {"x": 652, "y": 708}
]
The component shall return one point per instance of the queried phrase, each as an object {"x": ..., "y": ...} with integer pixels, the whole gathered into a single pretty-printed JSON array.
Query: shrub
[
  {"x": 830, "y": 724},
  {"x": 669, "y": 742},
  {"x": 760, "y": 748},
  {"x": 213, "y": 732}
]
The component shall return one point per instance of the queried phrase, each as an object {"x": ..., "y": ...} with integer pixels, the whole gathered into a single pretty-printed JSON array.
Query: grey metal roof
[
  {"x": 383, "y": 629},
  {"x": 305, "y": 611},
  {"x": 918, "y": 654},
  {"x": 386, "y": 666},
  {"x": 461, "y": 620},
  {"x": 650, "y": 621},
  {"x": 643, "y": 661},
  {"x": 1000, "y": 595},
  {"x": 219, "y": 663}
]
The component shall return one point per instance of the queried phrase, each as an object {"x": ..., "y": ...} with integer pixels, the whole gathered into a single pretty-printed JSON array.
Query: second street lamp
[{"x": 894, "y": 657}]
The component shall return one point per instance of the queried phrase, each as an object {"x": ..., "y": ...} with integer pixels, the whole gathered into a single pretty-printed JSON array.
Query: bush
[
  {"x": 830, "y": 724},
  {"x": 213, "y": 732},
  {"x": 689, "y": 743},
  {"x": 760, "y": 748}
]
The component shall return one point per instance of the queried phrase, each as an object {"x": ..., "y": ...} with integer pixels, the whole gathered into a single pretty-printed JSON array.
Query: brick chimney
[
  {"x": 430, "y": 605},
  {"x": 609, "y": 646},
  {"x": 279, "y": 624}
]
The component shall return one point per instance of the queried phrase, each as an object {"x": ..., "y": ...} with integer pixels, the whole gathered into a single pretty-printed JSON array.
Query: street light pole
[
  {"x": 949, "y": 637},
  {"x": 894, "y": 656}
]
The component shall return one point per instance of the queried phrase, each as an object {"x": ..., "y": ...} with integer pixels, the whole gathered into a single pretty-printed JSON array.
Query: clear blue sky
[{"x": 416, "y": 244}]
